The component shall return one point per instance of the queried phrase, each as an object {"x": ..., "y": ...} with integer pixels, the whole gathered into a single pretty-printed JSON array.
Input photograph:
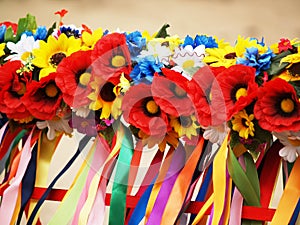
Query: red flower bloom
[
  {"x": 141, "y": 111},
  {"x": 61, "y": 13},
  {"x": 278, "y": 108},
  {"x": 235, "y": 87},
  {"x": 14, "y": 26},
  {"x": 200, "y": 88},
  {"x": 43, "y": 98},
  {"x": 284, "y": 45},
  {"x": 111, "y": 57},
  {"x": 73, "y": 77},
  {"x": 170, "y": 93},
  {"x": 12, "y": 87}
]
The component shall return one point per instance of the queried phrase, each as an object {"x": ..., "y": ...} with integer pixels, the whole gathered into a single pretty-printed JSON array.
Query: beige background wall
[{"x": 271, "y": 19}]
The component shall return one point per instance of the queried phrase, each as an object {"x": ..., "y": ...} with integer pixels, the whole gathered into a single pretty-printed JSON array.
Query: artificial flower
[
  {"x": 170, "y": 93},
  {"x": 242, "y": 44},
  {"x": 22, "y": 50},
  {"x": 73, "y": 77},
  {"x": 136, "y": 43},
  {"x": 51, "y": 53},
  {"x": 2, "y": 47},
  {"x": 43, "y": 98},
  {"x": 291, "y": 142},
  {"x": 225, "y": 56},
  {"x": 185, "y": 125},
  {"x": 111, "y": 57},
  {"x": 85, "y": 125},
  {"x": 141, "y": 111},
  {"x": 89, "y": 39},
  {"x": 235, "y": 87},
  {"x": 207, "y": 41},
  {"x": 277, "y": 107},
  {"x": 243, "y": 124},
  {"x": 292, "y": 70},
  {"x": 216, "y": 134}
]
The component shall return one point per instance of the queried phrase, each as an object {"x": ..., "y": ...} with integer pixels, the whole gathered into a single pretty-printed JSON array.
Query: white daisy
[
  {"x": 55, "y": 126},
  {"x": 188, "y": 58},
  {"x": 216, "y": 134},
  {"x": 82, "y": 111},
  {"x": 291, "y": 142},
  {"x": 158, "y": 50},
  {"x": 22, "y": 49}
]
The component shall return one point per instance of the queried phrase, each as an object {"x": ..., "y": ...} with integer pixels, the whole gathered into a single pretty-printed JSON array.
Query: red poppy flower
[
  {"x": 73, "y": 78},
  {"x": 277, "y": 107},
  {"x": 12, "y": 87},
  {"x": 236, "y": 87},
  {"x": 200, "y": 88},
  {"x": 170, "y": 93},
  {"x": 141, "y": 111},
  {"x": 14, "y": 26},
  {"x": 111, "y": 57},
  {"x": 43, "y": 98}
]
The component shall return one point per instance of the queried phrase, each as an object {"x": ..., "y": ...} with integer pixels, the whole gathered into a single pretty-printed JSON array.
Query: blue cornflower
[
  {"x": 262, "y": 43},
  {"x": 145, "y": 70},
  {"x": 2, "y": 32},
  {"x": 188, "y": 41},
  {"x": 70, "y": 31},
  {"x": 40, "y": 33},
  {"x": 135, "y": 43},
  {"x": 207, "y": 41},
  {"x": 254, "y": 59}
]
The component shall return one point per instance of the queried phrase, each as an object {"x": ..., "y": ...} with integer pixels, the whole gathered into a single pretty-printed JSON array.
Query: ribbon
[
  {"x": 180, "y": 188},
  {"x": 11, "y": 196},
  {"x": 81, "y": 146},
  {"x": 296, "y": 214},
  {"x": 167, "y": 185},
  {"x": 289, "y": 198},
  {"x": 119, "y": 189}
]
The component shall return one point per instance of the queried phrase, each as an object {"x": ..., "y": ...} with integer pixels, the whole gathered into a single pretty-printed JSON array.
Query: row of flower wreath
[{"x": 83, "y": 79}]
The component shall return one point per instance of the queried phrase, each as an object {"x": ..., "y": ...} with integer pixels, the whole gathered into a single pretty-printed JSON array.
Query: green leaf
[
  {"x": 50, "y": 30},
  {"x": 26, "y": 24},
  {"x": 251, "y": 173},
  {"x": 277, "y": 67},
  {"x": 247, "y": 189},
  {"x": 9, "y": 35},
  {"x": 162, "y": 33}
]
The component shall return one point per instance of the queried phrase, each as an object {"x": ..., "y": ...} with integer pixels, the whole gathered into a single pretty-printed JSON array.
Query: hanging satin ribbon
[
  {"x": 2, "y": 131},
  {"x": 11, "y": 195},
  {"x": 177, "y": 164},
  {"x": 81, "y": 146},
  {"x": 296, "y": 214},
  {"x": 181, "y": 185},
  {"x": 289, "y": 198},
  {"x": 67, "y": 207}
]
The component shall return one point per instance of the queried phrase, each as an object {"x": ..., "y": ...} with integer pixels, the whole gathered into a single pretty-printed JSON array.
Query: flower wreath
[{"x": 203, "y": 121}]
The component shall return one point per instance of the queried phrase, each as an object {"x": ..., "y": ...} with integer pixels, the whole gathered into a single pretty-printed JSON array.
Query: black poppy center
[
  {"x": 238, "y": 91},
  {"x": 286, "y": 106},
  {"x": 150, "y": 107},
  {"x": 107, "y": 92},
  {"x": 185, "y": 121}
]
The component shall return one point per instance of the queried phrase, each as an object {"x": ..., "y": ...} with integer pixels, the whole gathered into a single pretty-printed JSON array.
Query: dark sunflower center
[
  {"x": 185, "y": 121},
  {"x": 238, "y": 91},
  {"x": 178, "y": 91},
  {"x": 244, "y": 122},
  {"x": 294, "y": 70},
  {"x": 56, "y": 58},
  {"x": 231, "y": 55},
  {"x": 118, "y": 61},
  {"x": 107, "y": 92},
  {"x": 51, "y": 90},
  {"x": 150, "y": 107}
]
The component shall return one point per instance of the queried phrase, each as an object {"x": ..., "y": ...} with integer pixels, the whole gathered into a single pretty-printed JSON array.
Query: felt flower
[
  {"x": 141, "y": 111},
  {"x": 73, "y": 77},
  {"x": 43, "y": 98},
  {"x": 51, "y": 53},
  {"x": 277, "y": 107}
]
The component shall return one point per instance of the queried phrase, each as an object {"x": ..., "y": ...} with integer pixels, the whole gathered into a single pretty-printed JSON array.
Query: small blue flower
[
  {"x": 40, "y": 33},
  {"x": 188, "y": 41},
  {"x": 207, "y": 41},
  {"x": 260, "y": 43},
  {"x": 2, "y": 33},
  {"x": 135, "y": 43},
  {"x": 254, "y": 59},
  {"x": 70, "y": 31},
  {"x": 145, "y": 70}
]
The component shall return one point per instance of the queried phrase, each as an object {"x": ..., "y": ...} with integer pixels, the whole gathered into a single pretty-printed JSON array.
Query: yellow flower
[
  {"x": 242, "y": 44},
  {"x": 89, "y": 39},
  {"x": 242, "y": 123},
  {"x": 185, "y": 125},
  {"x": 292, "y": 58},
  {"x": 2, "y": 47},
  {"x": 220, "y": 56},
  {"x": 50, "y": 53}
]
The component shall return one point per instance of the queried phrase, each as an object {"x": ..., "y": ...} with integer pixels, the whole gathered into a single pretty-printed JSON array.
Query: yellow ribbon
[
  {"x": 204, "y": 208},
  {"x": 289, "y": 197}
]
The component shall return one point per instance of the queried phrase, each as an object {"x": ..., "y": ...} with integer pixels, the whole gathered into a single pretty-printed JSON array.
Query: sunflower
[
  {"x": 2, "y": 47},
  {"x": 225, "y": 56},
  {"x": 170, "y": 93},
  {"x": 43, "y": 98},
  {"x": 73, "y": 78},
  {"x": 141, "y": 111},
  {"x": 185, "y": 125},
  {"x": 243, "y": 124},
  {"x": 292, "y": 72},
  {"x": 277, "y": 107},
  {"x": 90, "y": 38},
  {"x": 51, "y": 53}
]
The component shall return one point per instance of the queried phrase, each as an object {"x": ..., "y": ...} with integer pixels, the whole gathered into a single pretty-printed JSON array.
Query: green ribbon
[
  {"x": 119, "y": 189},
  {"x": 247, "y": 182}
]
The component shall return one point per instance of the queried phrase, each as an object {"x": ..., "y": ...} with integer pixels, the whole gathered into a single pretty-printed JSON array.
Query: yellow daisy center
[
  {"x": 118, "y": 61},
  {"x": 240, "y": 92},
  {"x": 287, "y": 105},
  {"x": 152, "y": 107},
  {"x": 22, "y": 90},
  {"x": 25, "y": 56},
  {"x": 51, "y": 90},
  {"x": 84, "y": 78},
  {"x": 188, "y": 63}
]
